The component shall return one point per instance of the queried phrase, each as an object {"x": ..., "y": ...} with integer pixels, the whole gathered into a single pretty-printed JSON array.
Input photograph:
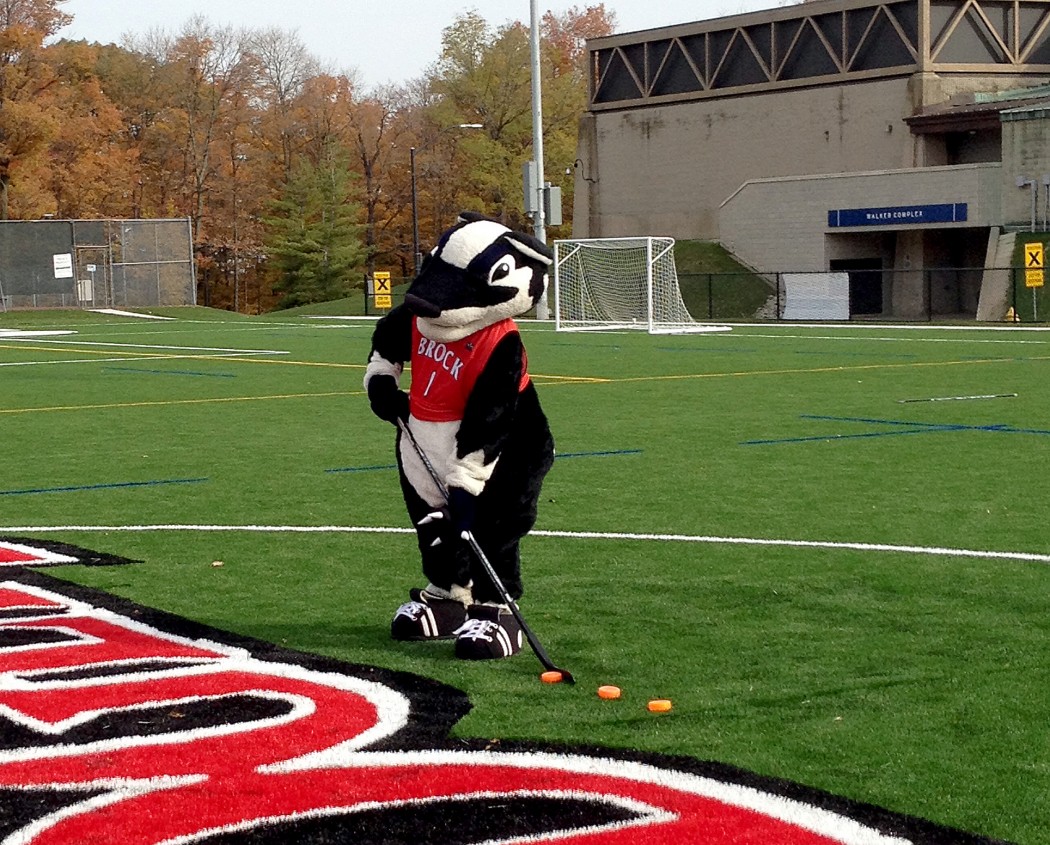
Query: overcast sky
[{"x": 384, "y": 40}]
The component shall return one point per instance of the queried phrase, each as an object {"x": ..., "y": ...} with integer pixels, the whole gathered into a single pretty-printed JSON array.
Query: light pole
[
  {"x": 415, "y": 216},
  {"x": 417, "y": 256}
]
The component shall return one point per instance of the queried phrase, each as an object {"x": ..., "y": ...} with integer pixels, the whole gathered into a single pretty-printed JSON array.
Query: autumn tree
[
  {"x": 90, "y": 167},
  {"x": 565, "y": 85},
  {"x": 27, "y": 119},
  {"x": 484, "y": 76},
  {"x": 217, "y": 124},
  {"x": 43, "y": 16},
  {"x": 285, "y": 70},
  {"x": 215, "y": 74},
  {"x": 381, "y": 139}
]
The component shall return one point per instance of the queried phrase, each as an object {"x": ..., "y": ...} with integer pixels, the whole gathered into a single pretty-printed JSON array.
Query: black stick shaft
[{"x": 534, "y": 643}]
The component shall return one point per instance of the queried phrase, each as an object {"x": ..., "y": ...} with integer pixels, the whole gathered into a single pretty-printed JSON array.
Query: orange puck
[
  {"x": 659, "y": 705},
  {"x": 551, "y": 677},
  {"x": 608, "y": 691}
]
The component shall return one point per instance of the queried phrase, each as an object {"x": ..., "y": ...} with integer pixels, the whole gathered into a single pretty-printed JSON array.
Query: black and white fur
[{"x": 480, "y": 273}]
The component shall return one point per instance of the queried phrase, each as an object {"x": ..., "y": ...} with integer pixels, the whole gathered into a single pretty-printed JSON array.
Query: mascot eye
[{"x": 503, "y": 269}]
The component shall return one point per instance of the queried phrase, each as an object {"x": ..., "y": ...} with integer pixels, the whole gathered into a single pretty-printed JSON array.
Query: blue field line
[
  {"x": 720, "y": 349},
  {"x": 613, "y": 346},
  {"x": 167, "y": 372},
  {"x": 903, "y": 426},
  {"x": 363, "y": 469},
  {"x": 565, "y": 455},
  {"x": 28, "y": 491},
  {"x": 875, "y": 421},
  {"x": 599, "y": 454}
]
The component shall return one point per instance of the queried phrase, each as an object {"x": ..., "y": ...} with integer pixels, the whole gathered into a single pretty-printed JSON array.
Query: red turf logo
[
  {"x": 19, "y": 554},
  {"x": 15, "y": 551},
  {"x": 126, "y": 726}
]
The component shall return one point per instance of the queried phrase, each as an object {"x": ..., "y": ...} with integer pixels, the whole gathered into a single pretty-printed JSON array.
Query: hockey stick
[{"x": 505, "y": 596}]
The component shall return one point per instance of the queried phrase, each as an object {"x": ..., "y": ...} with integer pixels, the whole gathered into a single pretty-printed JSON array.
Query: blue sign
[{"x": 897, "y": 215}]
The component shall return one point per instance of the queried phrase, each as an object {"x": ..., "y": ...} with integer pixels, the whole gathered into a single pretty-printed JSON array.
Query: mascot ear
[
  {"x": 471, "y": 217},
  {"x": 534, "y": 248}
]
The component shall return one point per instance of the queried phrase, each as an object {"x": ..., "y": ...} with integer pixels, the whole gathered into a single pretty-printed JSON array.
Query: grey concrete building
[{"x": 881, "y": 139}]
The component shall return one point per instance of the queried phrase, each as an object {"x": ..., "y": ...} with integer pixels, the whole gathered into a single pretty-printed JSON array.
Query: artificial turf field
[{"x": 826, "y": 545}]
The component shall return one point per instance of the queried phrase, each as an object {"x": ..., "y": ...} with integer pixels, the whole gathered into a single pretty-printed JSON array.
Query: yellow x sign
[{"x": 1033, "y": 256}]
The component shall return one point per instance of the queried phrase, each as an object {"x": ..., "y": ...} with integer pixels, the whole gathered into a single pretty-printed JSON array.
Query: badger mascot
[{"x": 475, "y": 416}]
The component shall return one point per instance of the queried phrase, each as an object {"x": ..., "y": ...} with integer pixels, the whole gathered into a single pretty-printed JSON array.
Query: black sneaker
[
  {"x": 489, "y": 633},
  {"x": 427, "y": 617}
]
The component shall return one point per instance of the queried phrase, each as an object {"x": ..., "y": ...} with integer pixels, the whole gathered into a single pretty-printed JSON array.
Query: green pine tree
[{"x": 314, "y": 235}]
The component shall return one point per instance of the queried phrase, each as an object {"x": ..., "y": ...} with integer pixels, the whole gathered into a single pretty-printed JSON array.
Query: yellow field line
[
  {"x": 555, "y": 380},
  {"x": 299, "y": 363},
  {"x": 167, "y": 402},
  {"x": 167, "y": 356},
  {"x": 569, "y": 379},
  {"x": 811, "y": 370},
  {"x": 66, "y": 350}
]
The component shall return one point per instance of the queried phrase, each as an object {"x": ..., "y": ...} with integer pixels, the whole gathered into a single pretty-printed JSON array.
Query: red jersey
[{"x": 444, "y": 373}]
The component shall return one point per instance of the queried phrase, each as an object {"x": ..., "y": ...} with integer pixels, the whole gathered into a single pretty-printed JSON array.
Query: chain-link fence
[
  {"x": 96, "y": 263},
  {"x": 926, "y": 295}
]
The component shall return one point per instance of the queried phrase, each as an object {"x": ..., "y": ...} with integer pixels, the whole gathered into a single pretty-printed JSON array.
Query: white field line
[
  {"x": 31, "y": 334},
  {"x": 151, "y": 346},
  {"x": 118, "y": 313},
  {"x": 348, "y": 317},
  {"x": 141, "y": 359},
  {"x": 968, "y": 340},
  {"x": 1014, "y": 327},
  {"x": 572, "y": 535}
]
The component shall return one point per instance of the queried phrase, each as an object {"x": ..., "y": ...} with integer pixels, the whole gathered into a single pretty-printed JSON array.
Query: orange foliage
[{"x": 210, "y": 122}]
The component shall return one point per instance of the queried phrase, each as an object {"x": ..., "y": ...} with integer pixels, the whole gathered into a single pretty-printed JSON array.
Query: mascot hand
[
  {"x": 389, "y": 402},
  {"x": 453, "y": 520},
  {"x": 462, "y": 508}
]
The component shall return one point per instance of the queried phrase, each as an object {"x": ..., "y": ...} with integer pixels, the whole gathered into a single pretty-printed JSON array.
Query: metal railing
[{"x": 874, "y": 295}]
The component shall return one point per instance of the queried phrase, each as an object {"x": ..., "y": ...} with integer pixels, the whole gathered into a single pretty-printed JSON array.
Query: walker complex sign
[
  {"x": 951, "y": 212},
  {"x": 124, "y": 725}
]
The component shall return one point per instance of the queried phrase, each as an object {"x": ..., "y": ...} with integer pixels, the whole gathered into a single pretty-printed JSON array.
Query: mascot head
[{"x": 480, "y": 272}]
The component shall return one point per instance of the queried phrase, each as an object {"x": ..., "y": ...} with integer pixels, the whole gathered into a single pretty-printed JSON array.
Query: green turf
[{"x": 914, "y": 681}]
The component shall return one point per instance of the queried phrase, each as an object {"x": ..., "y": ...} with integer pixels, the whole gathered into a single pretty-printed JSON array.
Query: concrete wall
[
  {"x": 782, "y": 224},
  {"x": 666, "y": 170},
  {"x": 1026, "y": 152}
]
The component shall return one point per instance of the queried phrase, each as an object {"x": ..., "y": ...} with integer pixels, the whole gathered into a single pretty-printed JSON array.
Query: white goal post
[{"x": 602, "y": 284}]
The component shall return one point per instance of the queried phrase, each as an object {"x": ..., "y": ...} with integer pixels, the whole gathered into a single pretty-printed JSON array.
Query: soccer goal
[{"x": 602, "y": 284}]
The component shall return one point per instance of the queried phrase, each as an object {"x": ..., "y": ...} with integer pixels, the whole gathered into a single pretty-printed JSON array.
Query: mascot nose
[{"x": 421, "y": 307}]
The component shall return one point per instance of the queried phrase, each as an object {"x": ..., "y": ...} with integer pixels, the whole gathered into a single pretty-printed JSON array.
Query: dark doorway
[{"x": 865, "y": 284}]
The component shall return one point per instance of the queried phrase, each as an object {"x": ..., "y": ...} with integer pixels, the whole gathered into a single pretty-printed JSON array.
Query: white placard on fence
[
  {"x": 63, "y": 265},
  {"x": 816, "y": 296}
]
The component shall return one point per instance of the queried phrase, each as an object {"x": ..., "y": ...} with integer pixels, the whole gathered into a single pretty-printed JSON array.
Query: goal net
[{"x": 619, "y": 283}]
